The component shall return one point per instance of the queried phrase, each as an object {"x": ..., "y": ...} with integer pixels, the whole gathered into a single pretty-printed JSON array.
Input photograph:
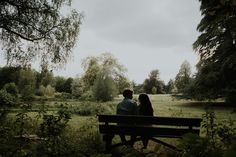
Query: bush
[
  {"x": 218, "y": 141},
  {"x": 91, "y": 108},
  {"x": 90, "y": 141},
  {"x": 11, "y": 88},
  {"x": 6, "y": 99},
  {"x": 87, "y": 95},
  {"x": 40, "y": 91},
  {"x": 66, "y": 95},
  {"x": 49, "y": 91},
  {"x": 27, "y": 93}
]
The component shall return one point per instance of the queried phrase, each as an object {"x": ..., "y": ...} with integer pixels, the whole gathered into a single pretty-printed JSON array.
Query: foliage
[
  {"x": 216, "y": 46},
  {"x": 92, "y": 108},
  {"x": 231, "y": 152},
  {"x": 67, "y": 85},
  {"x": 195, "y": 146},
  {"x": 137, "y": 88},
  {"x": 170, "y": 87},
  {"x": 6, "y": 99},
  {"x": 27, "y": 93},
  {"x": 49, "y": 91},
  {"x": 90, "y": 141},
  {"x": 50, "y": 136},
  {"x": 122, "y": 83},
  {"x": 104, "y": 88},
  {"x": 105, "y": 66},
  {"x": 59, "y": 83},
  {"x": 27, "y": 82},
  {"x": 31, "y": 29},
  {"x": 153, "y": 81},
  {"x": 9, "y": 75},
  {"x": 40, "y": 91},
  {"x": 218, "y": 141},
  {"x": 91, "y": 67},
  {"x": 63, "y": 96},
  {"x": 76, "y": 88},
  {"x": 62, "y": 84},
  {"x": 183, "y": 78},
  {"x": 11, "y": 88},
  {"x": 51, "y": 129},
  {"x": 45, "y": 77}
]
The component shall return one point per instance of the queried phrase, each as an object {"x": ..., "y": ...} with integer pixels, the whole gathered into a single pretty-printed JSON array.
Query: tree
[
  {"x": 216, "y": 46},
  {"x": 137, "y": 88},
  {"x": 105, "y": 64},
  {"x": 29, "y": 29},
  {"x": 76, "y": 88},
  {"x": 183, "y": 77},
  {"x": 170, "y": 87},
  {"x": 59, "y": 83},
  {"x": 153, "y": 83},
  {"x": 122, "y": 83},
  {"x": 67, "y": 85},
  {"x": 27, "y": 82},
  {"x": 9, "y": 75},
  {"x": 104, "y": 88},
  {"x": 46, "y": 78},
  {"x": 91, "y": 67}
]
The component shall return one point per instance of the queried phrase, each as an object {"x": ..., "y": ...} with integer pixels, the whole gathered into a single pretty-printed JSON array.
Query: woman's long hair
[{"x": 145, "y": 106}]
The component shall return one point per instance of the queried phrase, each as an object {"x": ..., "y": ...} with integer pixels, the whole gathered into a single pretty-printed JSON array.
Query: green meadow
[{"x": 80, "y": 136}]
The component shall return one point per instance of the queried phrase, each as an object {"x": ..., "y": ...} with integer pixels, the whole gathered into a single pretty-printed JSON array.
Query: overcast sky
[{"x": 142, "y": 34}]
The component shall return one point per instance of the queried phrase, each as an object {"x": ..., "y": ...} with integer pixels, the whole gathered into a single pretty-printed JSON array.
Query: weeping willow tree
[
  {"x": 216, "y": 46},
  {"x": 38, "y": 29}
]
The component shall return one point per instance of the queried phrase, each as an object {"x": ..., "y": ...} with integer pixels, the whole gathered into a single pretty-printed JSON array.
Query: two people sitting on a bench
[{"x": 129, "y": 107}]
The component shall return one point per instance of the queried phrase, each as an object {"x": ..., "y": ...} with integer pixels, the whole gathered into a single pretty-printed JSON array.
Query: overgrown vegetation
[
  {"x": 69, "y": 128},
  {"x": 47, "y": 134},
  {"x": 218, "y": 141}
]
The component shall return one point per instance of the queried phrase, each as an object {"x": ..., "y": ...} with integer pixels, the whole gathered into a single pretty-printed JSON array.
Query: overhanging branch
[{"x": 20, "y": 35}]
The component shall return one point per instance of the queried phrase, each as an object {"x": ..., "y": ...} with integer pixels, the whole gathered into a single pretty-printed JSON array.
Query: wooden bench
[{"x": 161, "y": 127}]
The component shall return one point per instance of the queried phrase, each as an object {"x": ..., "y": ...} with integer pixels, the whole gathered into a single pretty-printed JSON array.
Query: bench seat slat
[
  {"x": 131, "y": 119},
  {"x": 150, "y": 131}
]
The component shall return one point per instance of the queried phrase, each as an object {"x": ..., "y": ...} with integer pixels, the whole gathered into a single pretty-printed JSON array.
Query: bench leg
[{"x": 108, "y": 140}]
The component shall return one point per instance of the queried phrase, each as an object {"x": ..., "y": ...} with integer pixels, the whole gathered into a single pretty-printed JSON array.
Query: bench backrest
[{"x": 161, "y": 126}]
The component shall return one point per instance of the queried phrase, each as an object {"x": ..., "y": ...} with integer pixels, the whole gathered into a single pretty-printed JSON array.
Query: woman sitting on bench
[{"x": 145, "y": 109}]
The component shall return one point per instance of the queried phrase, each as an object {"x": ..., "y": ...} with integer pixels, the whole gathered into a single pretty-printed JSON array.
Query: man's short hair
[{"x": 127, "y": 93}]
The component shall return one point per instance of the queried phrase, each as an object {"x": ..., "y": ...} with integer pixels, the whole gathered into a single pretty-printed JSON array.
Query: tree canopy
[
  {"x": 216, "y": 46},
  {"x": 32, "y": 29},
  {"x": 104, "y": 76},
  {"x": 183, "y": 77},
  {"x": 153, "y": 84}
]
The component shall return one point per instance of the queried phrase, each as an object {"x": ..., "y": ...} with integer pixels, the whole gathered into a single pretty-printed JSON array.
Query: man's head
[{"x": 127, "y": 93}]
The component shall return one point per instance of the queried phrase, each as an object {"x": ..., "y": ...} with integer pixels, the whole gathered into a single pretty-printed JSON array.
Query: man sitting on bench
[{"x": 127, "y": 107}]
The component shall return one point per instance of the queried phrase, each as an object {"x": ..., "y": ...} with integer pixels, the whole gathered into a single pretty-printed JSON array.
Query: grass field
[
  {"x": 163, "y": 105},
  {"x": 83, "y": 114}
]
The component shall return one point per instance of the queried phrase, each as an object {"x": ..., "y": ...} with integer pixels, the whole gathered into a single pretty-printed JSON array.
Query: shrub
[
  {"x": 6, "y": 99},
  {"x": 11, "y": 88},
  {"x": 66, "y": 95},
  {"x": 49, "y": 91},
  {"x": 89, "y": 140},
  {"x": 76, "y": 88},
  {"x": 27, "y": 93},
  {"x": 40, "y": 91},
  {"x": 87, "y": 95},
  {"x": 91, "y": 108},
  {"x": 218, "y": 141},
  {"x": 52, "y": 129}
]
